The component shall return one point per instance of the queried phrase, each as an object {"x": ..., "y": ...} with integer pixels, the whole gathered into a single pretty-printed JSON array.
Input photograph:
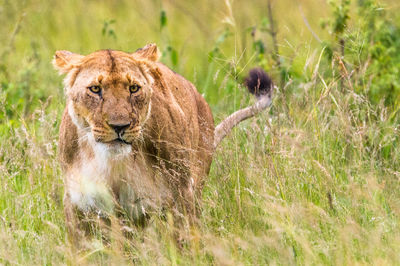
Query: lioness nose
[{"x": 118, "y": 128}]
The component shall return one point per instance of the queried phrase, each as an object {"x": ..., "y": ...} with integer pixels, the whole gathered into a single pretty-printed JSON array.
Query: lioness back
[{"x": 198, "y": 123}]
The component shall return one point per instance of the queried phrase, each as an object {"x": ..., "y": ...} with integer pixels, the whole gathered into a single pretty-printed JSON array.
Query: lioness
[{"x": 136, "y": 137}]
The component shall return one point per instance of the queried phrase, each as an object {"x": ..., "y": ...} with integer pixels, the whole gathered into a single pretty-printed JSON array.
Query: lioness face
[{"x": 109, "y": 96}]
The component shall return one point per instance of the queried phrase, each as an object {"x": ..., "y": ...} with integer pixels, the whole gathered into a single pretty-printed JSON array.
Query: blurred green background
[{"x": 196, "y": 38}]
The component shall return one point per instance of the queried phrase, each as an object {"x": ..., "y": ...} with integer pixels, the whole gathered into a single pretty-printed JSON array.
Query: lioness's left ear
[
  {"x": 149, "y": 52},
  {"x": 64, "y": 61}
]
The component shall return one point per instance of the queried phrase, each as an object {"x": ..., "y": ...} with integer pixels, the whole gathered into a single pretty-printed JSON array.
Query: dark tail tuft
[{"x": 258, "y": 82}]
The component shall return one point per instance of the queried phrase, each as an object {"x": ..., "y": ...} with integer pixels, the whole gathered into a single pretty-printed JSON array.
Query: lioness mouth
[{"x": 118, "y": 141}]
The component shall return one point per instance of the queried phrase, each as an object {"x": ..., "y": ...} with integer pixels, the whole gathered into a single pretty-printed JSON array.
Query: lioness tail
[{"x": 260, "y": 85}]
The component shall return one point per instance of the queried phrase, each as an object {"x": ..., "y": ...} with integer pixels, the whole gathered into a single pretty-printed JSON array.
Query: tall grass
[{"x": 314, "y": 180}]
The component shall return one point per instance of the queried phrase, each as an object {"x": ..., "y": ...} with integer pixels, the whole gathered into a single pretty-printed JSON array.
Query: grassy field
[{"x": 313, "y": 180}]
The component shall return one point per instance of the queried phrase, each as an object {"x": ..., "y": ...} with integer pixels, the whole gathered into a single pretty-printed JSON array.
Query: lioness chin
[{"x": 137, "y": 138}]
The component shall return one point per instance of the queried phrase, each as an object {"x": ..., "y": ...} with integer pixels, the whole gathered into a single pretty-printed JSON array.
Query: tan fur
[
  {"x": 170, "y": 136},
  {"x": 162, "y": 157}
]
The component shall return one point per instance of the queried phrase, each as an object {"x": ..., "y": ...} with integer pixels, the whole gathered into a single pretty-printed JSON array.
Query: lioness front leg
[
  {"x": 82, "y": 226},
  {"x": 72, "y": 222}
]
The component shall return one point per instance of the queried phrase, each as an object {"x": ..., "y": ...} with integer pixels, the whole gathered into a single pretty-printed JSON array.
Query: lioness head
[{"x": 108, "y": 92}]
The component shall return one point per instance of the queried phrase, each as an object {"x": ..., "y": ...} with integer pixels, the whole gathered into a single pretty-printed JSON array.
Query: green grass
[{"x": 313, "y": 180}]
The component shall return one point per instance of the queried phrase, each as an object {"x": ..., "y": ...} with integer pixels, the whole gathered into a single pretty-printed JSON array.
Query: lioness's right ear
[{"x": 64, "y": 61}]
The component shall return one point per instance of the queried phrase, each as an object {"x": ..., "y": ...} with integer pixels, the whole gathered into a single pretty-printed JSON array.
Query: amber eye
[
  {"x": 95, "y": 89},
  {"x": 134, "y": 88}
]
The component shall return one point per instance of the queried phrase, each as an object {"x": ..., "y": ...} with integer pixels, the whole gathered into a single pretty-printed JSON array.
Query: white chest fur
[
  {"x": 90, "y": 181},
  {"x": 114, "y": 177}
]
